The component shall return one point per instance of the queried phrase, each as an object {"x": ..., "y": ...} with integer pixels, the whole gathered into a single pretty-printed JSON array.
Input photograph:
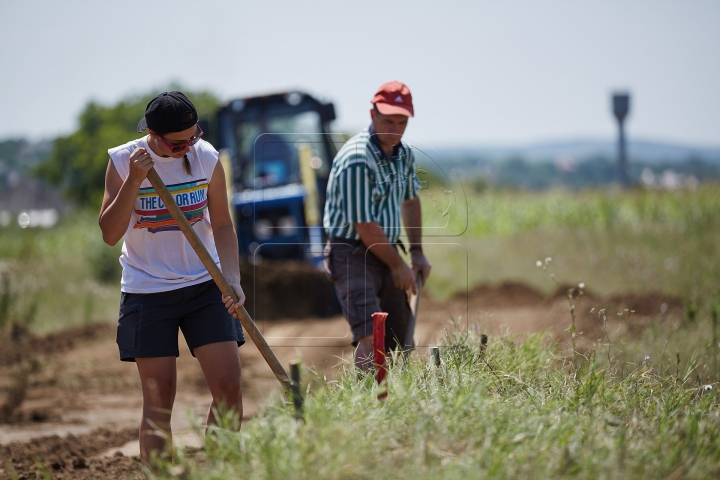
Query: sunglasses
[{"x": 178, "y": 147}]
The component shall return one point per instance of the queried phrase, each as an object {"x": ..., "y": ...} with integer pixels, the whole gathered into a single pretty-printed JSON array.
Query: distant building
[
  {"x": 668, "y": 180},
  {"x": 30, "y": 203}
]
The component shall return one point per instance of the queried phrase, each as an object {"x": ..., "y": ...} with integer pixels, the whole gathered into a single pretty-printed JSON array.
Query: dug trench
[{"x": 71, "y": 408}]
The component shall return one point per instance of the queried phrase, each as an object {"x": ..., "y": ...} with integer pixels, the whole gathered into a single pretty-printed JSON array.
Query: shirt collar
[{"x": 376, "y": 144}]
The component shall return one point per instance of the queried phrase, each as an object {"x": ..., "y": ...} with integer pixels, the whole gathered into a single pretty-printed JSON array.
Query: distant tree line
[
  {"x": 515, "y": 172},
  {"x": 78, "y": 161}
]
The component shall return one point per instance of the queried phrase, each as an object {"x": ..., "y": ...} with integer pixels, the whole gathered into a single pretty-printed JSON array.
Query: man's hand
[
  {"x": 420, "y": 265},
  {"x": 404, "y": 278},
  {"x": 140, "y": 164},
  {"x": 235, "y": 308},
  {"x": 373, "y": 237}
]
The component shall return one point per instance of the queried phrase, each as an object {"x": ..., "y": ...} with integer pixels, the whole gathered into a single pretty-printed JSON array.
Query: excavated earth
[{"x": 69, "y": 408}]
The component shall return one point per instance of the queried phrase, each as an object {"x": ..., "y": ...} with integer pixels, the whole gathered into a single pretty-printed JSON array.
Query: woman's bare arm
[
  {"x": 226, "y": 241},
  {"x": 119, "y": 197}
]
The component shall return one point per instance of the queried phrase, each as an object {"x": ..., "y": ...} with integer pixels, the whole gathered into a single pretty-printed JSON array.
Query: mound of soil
[
  {"x": 18, "y": 342},
  {"x": 70, "y": 457},
  {"x": 512, "y": 294},
  {"x": 276, "y": 289},
  {"x": 503, "y": 295},
  {"x": 646, "y": 304},
  {"x": 561, "y": 292}
]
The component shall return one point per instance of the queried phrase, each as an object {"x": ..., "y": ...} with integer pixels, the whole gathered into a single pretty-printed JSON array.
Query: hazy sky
[{"x": 483, "y": 72}]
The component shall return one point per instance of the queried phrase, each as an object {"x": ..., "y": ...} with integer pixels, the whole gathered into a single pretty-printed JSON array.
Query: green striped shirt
[{"x": 365, "y": 186}]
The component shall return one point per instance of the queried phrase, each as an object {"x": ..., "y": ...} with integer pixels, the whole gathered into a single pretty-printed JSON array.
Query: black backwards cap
[{"x": 168, "y": 112}]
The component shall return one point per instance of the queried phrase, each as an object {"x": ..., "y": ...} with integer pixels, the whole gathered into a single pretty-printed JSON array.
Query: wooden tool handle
[
  {"x": 409, "y": 345},
  {"x": 216, "y": 274}
]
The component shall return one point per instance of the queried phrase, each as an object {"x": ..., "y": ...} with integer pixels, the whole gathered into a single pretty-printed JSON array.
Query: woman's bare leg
[
  {"x": 220, "y": 363},
  {"x": 158, "y": 377}
]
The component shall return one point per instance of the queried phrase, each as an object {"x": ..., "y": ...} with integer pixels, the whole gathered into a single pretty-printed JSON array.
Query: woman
[{"x": 164, "y": 284}]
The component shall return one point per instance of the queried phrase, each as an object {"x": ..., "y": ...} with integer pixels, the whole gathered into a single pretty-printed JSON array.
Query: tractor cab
[{"x": 280, "y": 148}]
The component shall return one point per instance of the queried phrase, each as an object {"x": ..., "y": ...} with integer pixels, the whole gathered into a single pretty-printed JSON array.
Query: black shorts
[
  {"x": 364, "y": 285},
  {"x": 148, "y": 323}
]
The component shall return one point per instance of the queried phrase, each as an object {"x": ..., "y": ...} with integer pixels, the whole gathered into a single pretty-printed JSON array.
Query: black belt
[
  {"x": 357, "y": 243},
  {"x": 348, "y": 241}
]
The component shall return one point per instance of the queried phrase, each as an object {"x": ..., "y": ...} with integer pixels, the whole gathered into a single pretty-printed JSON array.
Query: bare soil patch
[
  {"x": 18, "y": 342},
  {"x": 70, "y": 457},
  {"x": 303, "y": 290}
]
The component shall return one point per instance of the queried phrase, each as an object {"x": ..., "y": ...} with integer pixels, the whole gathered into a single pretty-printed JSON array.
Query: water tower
[{"x": 621, "y": 107}]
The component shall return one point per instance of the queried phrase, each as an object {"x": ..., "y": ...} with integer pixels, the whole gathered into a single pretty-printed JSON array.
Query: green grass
[
  {"x": 519, "y": 411},
  {"x": 615, "y": 242},
  {"x": 512, "y": 212},
  {"x": 622, "y": 260},
  {"x": 58, "y": 277}
]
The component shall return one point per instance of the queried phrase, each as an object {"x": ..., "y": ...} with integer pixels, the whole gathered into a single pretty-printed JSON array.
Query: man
[{"x": 372, "y": 185}]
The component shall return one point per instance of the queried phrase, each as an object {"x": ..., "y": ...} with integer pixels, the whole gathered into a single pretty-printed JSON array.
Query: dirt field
[{"x": 71, "y": 408}]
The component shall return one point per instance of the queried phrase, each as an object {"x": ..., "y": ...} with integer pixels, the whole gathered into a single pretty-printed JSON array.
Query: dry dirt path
[{"x": 80, "y": 387}]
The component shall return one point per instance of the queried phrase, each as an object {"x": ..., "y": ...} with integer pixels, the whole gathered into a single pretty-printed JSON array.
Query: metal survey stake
[
  {"x": 297, "y": 398},
  {"x": 197, "y": 245},
  {"x": 435, "y": 356}
]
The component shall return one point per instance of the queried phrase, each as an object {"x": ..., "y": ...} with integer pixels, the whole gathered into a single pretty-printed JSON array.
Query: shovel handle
[{"x": 197, "y": 245}]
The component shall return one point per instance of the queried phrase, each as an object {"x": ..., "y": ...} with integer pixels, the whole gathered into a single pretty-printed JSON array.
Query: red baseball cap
[{"x": 394, "y": 98}]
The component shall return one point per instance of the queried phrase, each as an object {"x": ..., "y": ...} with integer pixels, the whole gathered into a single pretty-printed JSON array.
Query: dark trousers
[{"x": 364, "y": 285}]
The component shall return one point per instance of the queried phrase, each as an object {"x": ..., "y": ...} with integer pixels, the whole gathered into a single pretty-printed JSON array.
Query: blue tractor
[{"x": 280, "y": 149}]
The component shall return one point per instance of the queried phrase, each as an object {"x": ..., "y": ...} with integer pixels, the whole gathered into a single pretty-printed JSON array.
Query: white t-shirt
[{"x": 156, "y": 256}]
